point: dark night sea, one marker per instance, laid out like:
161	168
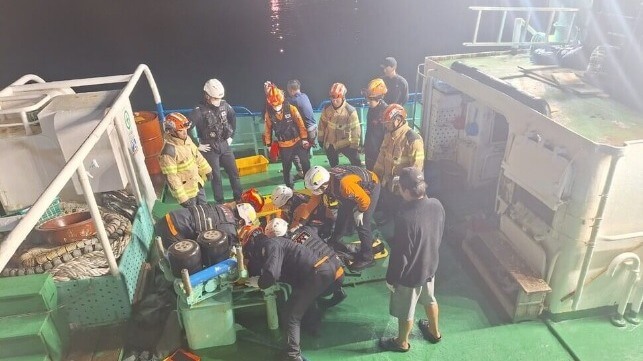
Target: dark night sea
241	42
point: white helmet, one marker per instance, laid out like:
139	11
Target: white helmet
280	195
247	213
315	178
276	227
214	88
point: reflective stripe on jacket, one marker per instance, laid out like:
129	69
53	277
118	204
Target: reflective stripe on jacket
184	167
400	149
339	127
288	127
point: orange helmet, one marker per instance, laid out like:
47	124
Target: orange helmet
247	233
376	88
253	197
393	111
274	96
337	90
177	121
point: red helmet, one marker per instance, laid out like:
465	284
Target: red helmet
177	121
337	90
393	111
274	96
253	197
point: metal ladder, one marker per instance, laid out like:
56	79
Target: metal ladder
523	26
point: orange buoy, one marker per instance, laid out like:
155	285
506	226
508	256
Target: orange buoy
151	135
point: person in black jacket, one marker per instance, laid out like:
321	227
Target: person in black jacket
216	121
308	272
398	87
413	261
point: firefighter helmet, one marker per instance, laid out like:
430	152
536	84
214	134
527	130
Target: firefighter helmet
337	90
177	121
280	195
276	227
376	88
274	96
214	88
254	198
247	234
393	111
247	213
315	178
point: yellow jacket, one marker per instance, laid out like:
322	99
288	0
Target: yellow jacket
339	127
400	149
184	167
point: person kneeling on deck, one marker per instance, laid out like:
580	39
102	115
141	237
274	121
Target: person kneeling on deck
182	164
414	259
357	191
309	272
290	132
293	206
308	236
189	222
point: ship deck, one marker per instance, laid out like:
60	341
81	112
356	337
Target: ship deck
473	326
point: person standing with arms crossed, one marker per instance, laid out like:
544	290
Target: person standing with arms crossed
413	261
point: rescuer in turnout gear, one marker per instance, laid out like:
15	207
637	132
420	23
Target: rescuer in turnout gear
374	128
307	235
357	190
215	122
402	147
188	222
284	121
308	271
293	206
339	128
183	166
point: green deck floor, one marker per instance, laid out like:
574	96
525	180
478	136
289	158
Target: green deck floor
473	327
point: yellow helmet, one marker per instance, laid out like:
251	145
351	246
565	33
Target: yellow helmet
376	88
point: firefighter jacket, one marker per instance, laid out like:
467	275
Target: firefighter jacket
401	148
295	211
339	127
348	183
184	167
287	125
214	124
189	222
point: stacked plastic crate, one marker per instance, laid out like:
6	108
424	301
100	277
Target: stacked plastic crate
31	326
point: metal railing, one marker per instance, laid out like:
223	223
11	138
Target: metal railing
75	164
522	26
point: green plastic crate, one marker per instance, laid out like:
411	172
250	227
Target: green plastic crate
27	294
209	323
25	335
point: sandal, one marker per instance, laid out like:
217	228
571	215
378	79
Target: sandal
424	327
389	344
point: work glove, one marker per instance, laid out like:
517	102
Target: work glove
305	144
390	287
252	282
229	140
395	183
208	176
358	217
189	203
204	148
